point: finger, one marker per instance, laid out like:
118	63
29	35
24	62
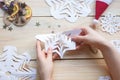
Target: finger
55	56
49	53
38	48
93	26
84	32
79	46
44	53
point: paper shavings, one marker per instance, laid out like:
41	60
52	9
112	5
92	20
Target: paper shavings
110	23
116	43
60	43
70	10
104	78
14	66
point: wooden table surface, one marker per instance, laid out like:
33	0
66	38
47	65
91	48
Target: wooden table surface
78	65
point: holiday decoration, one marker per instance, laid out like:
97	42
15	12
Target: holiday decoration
60	42
71	10
14	66
101	6
110	23
16	12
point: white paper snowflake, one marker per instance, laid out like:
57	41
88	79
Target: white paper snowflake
60	43
17	77
110	23
69	9
14	65
104	78
116	43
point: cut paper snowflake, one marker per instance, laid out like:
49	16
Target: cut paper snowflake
17	77
116	43
104	78
12	64
60	43
69	9
110	23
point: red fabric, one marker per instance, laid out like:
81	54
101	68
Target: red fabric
100	8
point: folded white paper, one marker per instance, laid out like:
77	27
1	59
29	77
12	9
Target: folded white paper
59	43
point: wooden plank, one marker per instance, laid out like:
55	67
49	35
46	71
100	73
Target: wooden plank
78	69
24	37
40	7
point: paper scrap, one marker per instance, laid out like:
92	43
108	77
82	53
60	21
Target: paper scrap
104	78
116	43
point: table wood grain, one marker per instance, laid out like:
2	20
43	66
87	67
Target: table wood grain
76	65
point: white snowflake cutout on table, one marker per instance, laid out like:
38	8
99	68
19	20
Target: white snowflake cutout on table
116	43
104	78
14	64
69	9
110	23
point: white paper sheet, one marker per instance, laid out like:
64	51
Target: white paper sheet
71	10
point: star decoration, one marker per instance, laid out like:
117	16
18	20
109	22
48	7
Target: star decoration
5	26
59	26
37	24
49	26
52	31
10	28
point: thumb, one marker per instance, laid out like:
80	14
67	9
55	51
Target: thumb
49	53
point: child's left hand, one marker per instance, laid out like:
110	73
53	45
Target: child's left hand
45	62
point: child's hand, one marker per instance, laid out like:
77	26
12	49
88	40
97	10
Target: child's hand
45	62
90	37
